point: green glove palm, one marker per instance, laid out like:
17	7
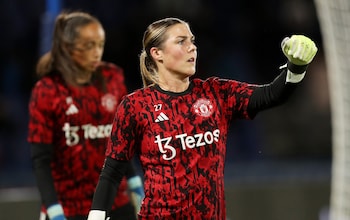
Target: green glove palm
299	50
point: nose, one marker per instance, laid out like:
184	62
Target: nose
192	47
98	51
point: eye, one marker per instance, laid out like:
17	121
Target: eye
89	45
101	45
181	41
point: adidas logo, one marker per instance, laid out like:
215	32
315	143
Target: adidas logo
72	110
162	117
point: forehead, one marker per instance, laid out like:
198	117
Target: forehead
91	31
179	30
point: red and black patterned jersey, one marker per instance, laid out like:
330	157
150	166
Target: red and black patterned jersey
77	122
180	139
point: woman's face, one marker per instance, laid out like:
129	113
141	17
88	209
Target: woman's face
88	47
178	54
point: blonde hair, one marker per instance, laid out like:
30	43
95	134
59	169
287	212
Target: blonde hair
66	31
154	36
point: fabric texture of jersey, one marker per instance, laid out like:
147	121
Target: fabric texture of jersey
77	122
183	138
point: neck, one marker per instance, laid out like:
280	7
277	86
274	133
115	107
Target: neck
84	78
174	86
173	83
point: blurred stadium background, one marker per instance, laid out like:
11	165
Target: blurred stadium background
278	166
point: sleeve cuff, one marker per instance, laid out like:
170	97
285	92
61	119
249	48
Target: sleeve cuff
296	69
294	78
295	73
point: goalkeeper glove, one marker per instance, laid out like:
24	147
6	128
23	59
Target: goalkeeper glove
97	215
55	212
136	190
299	50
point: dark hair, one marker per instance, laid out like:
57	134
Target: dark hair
66	31
154	36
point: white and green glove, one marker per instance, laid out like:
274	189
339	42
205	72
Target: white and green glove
299	50
55	212
97	215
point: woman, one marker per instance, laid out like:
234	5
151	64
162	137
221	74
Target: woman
71	110
178	126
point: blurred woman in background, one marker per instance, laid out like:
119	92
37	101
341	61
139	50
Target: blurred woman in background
71	110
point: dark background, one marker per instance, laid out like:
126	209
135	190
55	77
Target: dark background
278	165
236	39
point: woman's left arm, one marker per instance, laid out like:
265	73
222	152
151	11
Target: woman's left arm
299	51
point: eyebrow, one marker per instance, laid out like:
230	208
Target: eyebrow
185	37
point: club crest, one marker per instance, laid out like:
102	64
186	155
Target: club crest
203	107
109	102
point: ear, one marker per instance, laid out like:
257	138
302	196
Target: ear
156	53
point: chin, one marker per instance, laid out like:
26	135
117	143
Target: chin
191	73
92	69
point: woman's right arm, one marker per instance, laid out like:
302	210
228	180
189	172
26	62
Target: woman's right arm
111	175
41	155
40	134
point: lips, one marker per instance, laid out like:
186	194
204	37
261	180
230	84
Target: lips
95	63
191	60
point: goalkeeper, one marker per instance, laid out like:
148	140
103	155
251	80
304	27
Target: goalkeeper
178	125
71	110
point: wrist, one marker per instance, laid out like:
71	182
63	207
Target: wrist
294	78
296	69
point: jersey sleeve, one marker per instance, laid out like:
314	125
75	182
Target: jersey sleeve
125	132
41	106
235	96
